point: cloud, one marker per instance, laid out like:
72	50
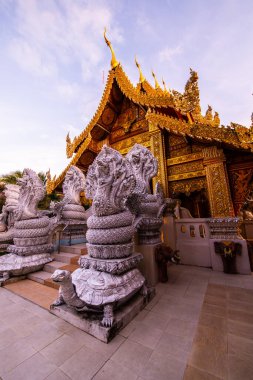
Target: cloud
30	59
168	54
49	35
68	91
145	24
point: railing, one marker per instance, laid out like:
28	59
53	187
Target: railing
192	241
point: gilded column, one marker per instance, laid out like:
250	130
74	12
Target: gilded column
217	182
158	150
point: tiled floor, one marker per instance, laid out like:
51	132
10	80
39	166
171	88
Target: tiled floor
158	344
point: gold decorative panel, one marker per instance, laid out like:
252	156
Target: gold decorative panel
217	183
177	177
187	186
157	148
186	167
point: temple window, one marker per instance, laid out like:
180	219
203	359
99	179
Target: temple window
192	231
183	229
202	231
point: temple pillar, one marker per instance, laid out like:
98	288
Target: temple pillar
157	148
217	182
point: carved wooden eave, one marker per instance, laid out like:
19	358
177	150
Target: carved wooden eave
238	138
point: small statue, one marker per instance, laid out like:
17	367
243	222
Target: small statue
228	251
181	212
163	255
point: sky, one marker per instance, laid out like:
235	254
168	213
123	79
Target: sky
54	63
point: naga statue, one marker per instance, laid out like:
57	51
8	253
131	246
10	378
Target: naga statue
11	193
31	230
107	276
70	207
148	208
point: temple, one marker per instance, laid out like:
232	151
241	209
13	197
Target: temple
206	165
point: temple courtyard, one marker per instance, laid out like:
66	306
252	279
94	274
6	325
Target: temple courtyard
199	326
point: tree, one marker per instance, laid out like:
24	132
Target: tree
12	177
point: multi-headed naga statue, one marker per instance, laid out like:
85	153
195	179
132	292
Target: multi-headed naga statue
109	181
31	230
70	207
11	193
147	207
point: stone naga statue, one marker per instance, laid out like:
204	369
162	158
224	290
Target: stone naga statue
109	181
148	208
11	193
70	208
31	230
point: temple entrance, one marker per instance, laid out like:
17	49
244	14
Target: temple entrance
197	203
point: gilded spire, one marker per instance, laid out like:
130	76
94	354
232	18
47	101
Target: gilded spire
156	81
141	78
165	89
48	175
68	141
114	62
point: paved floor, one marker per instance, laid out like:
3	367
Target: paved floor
158	344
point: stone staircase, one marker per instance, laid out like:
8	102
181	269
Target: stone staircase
66	259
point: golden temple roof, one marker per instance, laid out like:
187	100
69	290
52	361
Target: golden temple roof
235	135
190	122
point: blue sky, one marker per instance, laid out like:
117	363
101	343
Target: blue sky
53	57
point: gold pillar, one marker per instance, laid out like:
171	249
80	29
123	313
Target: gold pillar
217	182
158	150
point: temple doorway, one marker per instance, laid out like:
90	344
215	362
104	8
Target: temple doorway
197	203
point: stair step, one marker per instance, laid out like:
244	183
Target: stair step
35	292
39	276
51	267
70	267
78	249
64	257
49	282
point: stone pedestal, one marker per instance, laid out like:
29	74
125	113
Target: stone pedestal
91	323
148	265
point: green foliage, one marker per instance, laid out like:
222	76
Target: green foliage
12	177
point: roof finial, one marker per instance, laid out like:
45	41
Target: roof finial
114	62
156	81
142	78
165	88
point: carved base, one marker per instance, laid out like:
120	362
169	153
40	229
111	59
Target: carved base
149	230
113	251
30	251
91	323
114	266
13	265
